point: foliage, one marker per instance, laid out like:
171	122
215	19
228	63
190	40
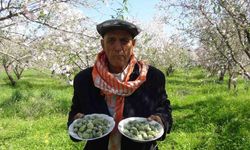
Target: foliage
157	49
121	12
30	35
220	29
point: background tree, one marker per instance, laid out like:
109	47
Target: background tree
220	29
39	21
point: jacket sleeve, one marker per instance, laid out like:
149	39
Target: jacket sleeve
77	102
163	107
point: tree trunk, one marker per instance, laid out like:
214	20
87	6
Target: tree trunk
169	70
87	59
229	81
18	71
246	75
222	74
12	81
230	74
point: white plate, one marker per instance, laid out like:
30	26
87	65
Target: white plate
111	126
125	121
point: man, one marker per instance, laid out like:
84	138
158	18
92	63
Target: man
120	86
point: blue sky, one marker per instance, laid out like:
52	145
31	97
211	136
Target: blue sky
141	9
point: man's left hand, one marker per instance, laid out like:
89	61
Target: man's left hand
156	118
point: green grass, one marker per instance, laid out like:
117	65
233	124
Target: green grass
33	114
206	114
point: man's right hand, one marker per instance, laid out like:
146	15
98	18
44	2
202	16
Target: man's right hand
78	115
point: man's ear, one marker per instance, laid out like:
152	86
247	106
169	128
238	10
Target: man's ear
102	43
134	42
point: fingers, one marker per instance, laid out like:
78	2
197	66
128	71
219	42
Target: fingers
78	115
156	118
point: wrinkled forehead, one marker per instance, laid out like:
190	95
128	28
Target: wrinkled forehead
118	34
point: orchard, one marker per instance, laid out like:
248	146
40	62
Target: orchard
205	58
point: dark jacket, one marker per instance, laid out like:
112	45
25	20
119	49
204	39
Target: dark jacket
150	98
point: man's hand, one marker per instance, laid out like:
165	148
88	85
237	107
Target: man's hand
78	115
156	118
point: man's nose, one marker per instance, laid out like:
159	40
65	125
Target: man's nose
118	46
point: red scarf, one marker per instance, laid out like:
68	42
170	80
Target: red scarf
111	86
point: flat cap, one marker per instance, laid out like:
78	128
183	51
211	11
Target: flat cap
115	24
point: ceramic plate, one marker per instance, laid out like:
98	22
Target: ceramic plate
106	117
123	123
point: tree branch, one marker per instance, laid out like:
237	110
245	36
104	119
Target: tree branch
56	28
1	5
9	4
10	16
224	37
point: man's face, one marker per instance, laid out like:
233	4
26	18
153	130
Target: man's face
118	46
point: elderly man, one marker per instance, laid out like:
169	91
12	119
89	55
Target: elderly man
120	86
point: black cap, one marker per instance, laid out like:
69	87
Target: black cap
112	24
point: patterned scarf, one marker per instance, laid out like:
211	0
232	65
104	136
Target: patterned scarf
111	86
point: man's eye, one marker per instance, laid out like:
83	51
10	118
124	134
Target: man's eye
111	40
124	41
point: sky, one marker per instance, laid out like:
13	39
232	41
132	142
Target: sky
141	9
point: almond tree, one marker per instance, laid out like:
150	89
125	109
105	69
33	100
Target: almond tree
14	57
32	21
222	29
158	49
